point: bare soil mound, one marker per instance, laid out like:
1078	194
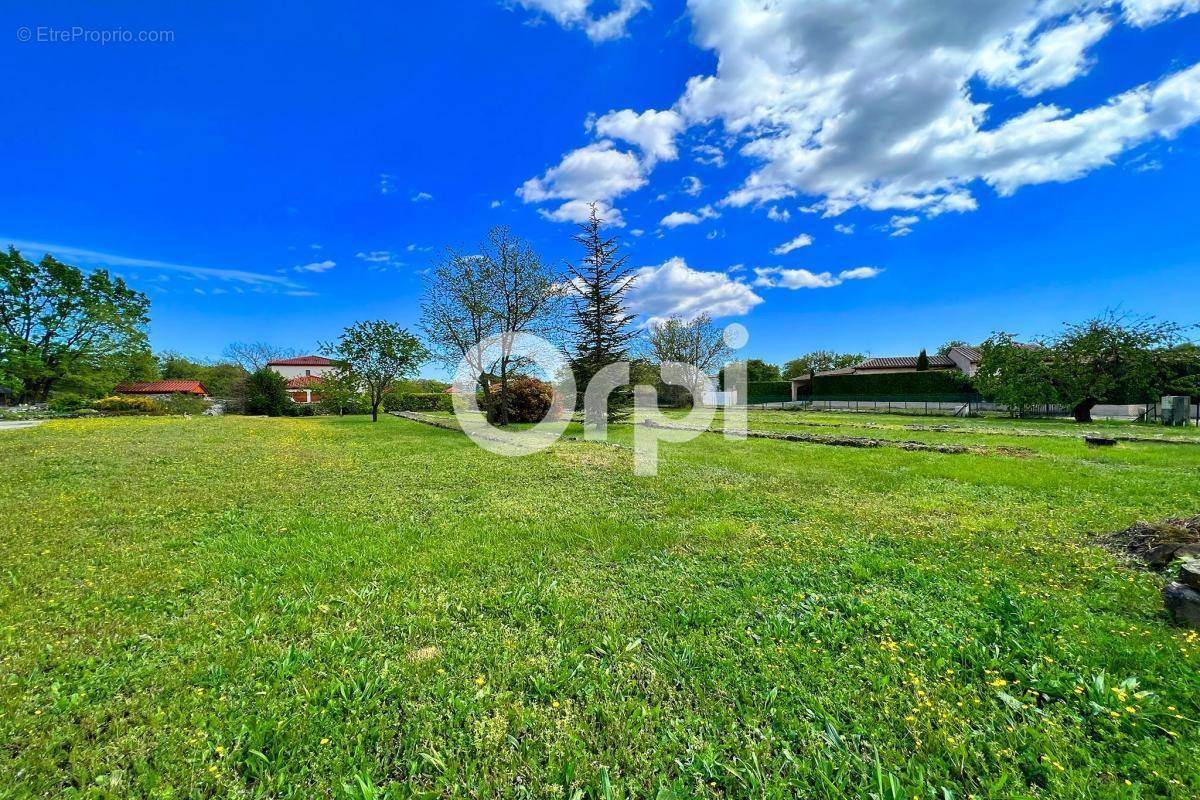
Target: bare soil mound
1156	544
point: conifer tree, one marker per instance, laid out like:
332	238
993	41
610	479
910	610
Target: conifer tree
601	322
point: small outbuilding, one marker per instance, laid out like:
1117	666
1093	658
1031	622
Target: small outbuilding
162	390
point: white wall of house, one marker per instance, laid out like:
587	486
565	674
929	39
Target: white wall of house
965	364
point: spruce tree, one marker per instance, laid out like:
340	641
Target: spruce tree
602	326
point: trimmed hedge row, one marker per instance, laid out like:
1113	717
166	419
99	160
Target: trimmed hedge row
768	391
425	401
950	384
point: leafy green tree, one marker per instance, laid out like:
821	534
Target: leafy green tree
1182	365
922	361
56	321
819	361
602	325
340	389
218	378
97	377
375	354
759	371
1113	356
266	393
1015	374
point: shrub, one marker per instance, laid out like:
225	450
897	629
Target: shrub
266	393
418	401
67	402
185	404
528	400
344	405
124	404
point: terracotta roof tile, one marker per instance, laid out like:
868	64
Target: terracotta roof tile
162	387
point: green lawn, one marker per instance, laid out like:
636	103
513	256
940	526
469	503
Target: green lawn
239	607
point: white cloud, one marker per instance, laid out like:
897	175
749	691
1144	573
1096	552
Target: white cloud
778	215
421	197
375	256
675	289
595	173
803	240
387	183
577	14
804	279
677	218
1033	63
856	104
652	132
1143	13
581	211
871	106
846	229
902	226
692	185
497	203
78	255
317	266
709	155
637	232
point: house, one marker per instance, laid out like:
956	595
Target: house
303	375
962	358
162	390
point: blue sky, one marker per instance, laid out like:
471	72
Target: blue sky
276	172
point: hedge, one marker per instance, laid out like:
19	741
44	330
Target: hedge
930	385
768	391
425	401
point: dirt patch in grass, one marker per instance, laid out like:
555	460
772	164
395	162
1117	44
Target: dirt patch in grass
1156	544
857	441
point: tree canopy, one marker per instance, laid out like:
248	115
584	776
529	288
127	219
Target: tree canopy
57	321
819	361
1114	357
376	353
503	289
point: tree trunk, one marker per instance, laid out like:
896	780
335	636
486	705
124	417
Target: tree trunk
502	418
1083	411
374	411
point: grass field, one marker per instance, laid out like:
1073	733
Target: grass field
239	607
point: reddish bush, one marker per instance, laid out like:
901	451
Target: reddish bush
528	400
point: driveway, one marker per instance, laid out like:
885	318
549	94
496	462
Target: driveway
12	425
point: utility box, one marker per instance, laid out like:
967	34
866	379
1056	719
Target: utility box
1176	410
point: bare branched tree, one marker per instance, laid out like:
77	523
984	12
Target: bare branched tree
253	356
697	342
502	291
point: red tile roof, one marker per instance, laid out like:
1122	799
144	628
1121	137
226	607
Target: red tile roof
162	387
304	382
302	361
905	362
